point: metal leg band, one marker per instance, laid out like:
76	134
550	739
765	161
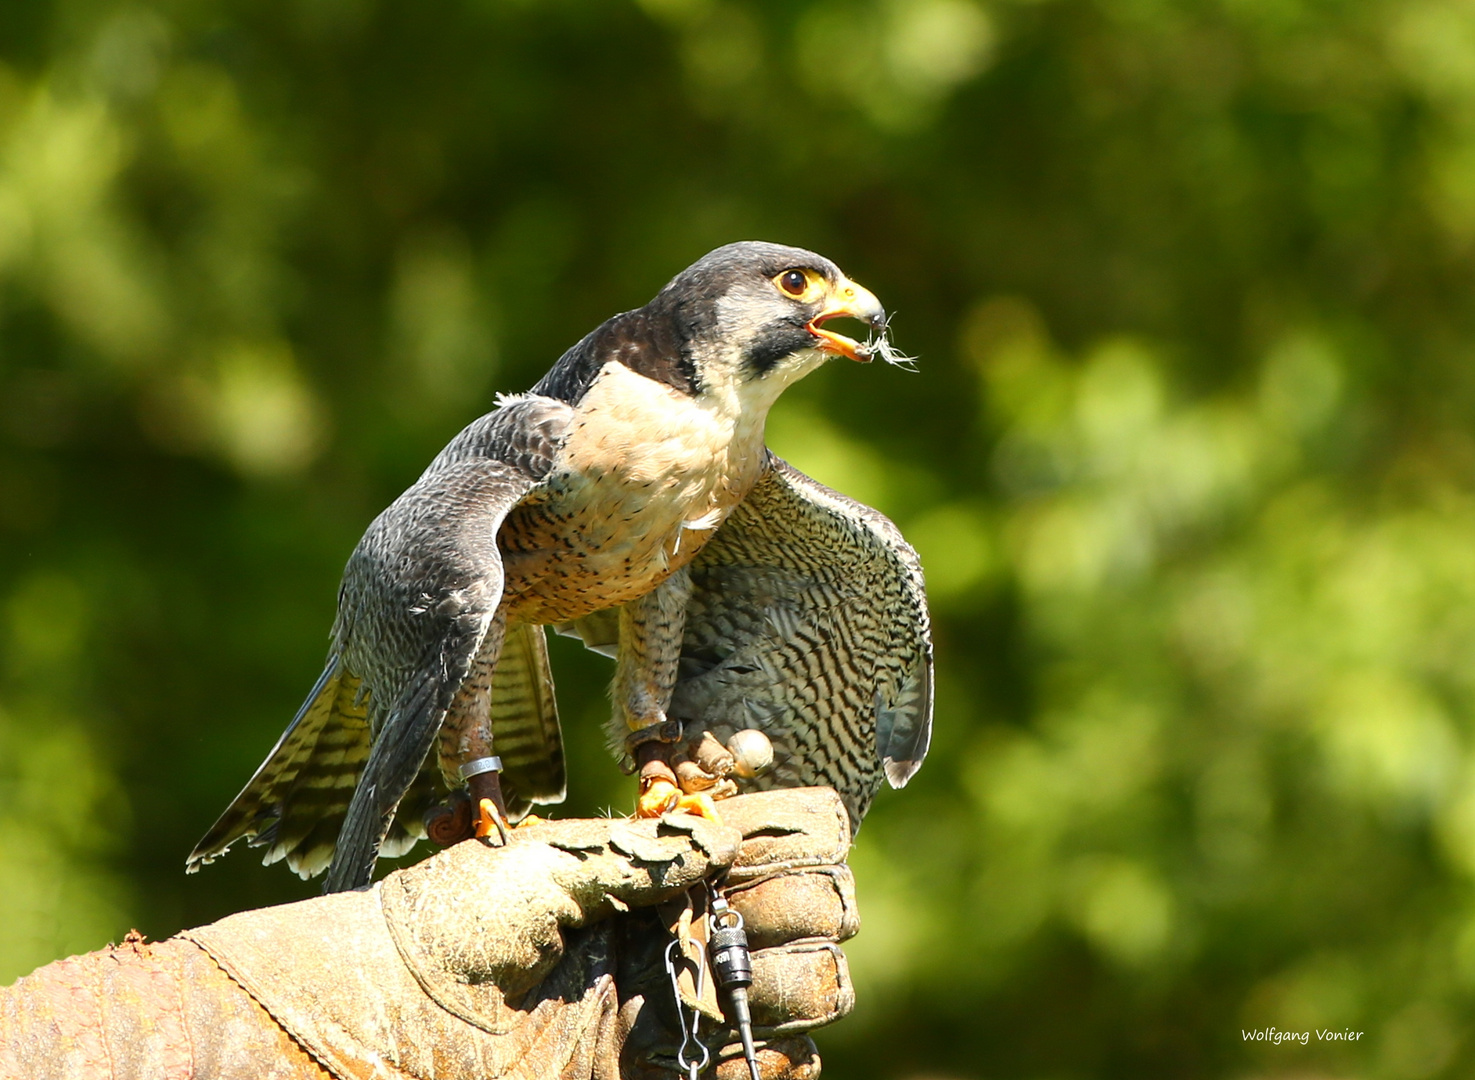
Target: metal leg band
480	765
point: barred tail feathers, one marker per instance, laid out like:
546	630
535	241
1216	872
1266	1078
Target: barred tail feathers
313	810
525	728
313	765
296	804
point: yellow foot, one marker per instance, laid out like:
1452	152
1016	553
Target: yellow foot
663	797
488	821
700	804
531	819
657	797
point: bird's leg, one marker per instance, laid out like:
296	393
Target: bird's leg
645	674
466	751
491	806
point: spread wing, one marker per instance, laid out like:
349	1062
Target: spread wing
418	596
808	621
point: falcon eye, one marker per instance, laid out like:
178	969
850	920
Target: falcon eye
794	282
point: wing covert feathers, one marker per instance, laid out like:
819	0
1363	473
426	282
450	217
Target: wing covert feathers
808	620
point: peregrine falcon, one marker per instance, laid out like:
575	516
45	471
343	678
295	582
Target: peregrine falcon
766	630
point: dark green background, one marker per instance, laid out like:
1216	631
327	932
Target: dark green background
1190	458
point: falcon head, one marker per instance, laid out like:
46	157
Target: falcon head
741	323
756	313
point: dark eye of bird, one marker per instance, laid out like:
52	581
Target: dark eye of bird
793	282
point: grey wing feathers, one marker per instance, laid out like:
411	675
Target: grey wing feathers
524	431
527	735
417	598
808	620
418	595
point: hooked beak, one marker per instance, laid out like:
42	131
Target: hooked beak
848	299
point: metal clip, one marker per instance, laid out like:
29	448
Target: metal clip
689	1064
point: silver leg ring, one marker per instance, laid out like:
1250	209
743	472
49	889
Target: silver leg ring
479	766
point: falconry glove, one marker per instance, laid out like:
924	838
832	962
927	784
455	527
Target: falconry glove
541	958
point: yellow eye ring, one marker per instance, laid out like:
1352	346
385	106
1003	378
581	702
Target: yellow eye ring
796	283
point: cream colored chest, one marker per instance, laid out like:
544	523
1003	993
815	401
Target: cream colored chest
646	475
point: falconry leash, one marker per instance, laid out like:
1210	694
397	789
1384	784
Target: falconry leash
732	967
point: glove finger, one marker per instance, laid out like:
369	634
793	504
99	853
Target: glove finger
624	864
800	986
477	916
787	829
791	1057
817	903
794	1058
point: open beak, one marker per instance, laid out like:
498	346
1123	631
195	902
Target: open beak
848	300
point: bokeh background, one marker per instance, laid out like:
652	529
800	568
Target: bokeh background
1190	458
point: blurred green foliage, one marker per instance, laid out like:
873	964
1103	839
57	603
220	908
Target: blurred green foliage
1190	459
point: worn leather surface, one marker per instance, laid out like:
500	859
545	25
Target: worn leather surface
542	958
161	1010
